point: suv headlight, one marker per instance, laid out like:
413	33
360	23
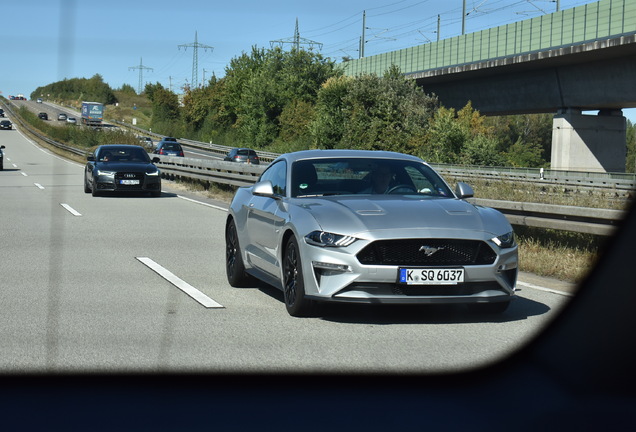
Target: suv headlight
324	238
505	240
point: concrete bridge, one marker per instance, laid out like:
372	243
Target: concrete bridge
565	63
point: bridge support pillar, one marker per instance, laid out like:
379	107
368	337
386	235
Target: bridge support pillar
593	143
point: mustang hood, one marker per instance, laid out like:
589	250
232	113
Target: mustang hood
357	215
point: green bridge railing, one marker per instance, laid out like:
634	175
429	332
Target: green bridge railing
600	20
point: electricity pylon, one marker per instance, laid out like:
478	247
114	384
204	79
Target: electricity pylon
195	58
296	40
141	68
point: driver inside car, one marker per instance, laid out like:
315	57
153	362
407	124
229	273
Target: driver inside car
381	178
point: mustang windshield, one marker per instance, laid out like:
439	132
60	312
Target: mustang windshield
343	176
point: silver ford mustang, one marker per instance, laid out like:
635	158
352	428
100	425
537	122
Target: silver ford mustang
368	227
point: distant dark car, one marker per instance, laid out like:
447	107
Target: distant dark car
242	155
1	112
62	116
6	124
172	139
169	148
43	116
121	168
1	158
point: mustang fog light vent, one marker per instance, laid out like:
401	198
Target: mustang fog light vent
324	238
331	266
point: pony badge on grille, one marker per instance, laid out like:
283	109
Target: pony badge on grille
428	250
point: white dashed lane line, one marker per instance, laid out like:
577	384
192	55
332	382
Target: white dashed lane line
70	209
202	203
540	288
179	283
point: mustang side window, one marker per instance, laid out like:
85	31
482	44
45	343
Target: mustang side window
277	175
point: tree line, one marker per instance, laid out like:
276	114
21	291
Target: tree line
280	101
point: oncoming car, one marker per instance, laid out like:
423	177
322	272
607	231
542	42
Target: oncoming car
6	124
121	168
368	227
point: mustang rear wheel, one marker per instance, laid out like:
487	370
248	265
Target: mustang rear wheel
234	267
293	283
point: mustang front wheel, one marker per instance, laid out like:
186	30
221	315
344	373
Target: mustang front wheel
234	267
293	284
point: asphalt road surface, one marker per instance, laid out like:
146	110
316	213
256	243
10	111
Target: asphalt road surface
134	283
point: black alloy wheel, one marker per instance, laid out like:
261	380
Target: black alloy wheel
294	284
234	267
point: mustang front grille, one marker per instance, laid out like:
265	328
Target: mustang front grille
427	252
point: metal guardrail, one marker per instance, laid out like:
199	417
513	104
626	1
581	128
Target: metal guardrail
565	218
622	183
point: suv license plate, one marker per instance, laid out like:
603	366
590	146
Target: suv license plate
129	182
431	276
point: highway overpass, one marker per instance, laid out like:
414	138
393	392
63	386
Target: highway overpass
565	63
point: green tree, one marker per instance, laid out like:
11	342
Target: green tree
529	128
524	155
77	90
371	112
329	123
295	120
630	162
127	89
165	109
260	86
445	138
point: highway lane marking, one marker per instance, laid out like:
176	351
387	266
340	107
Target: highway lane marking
71	209
202	203
38	185
179	283
540	288
22	172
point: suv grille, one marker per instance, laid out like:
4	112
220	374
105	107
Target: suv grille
412	252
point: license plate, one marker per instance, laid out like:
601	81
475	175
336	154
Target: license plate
431	276
129	182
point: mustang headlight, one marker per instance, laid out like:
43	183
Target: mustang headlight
105	173
505	240
324	238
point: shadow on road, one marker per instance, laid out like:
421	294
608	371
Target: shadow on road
350	313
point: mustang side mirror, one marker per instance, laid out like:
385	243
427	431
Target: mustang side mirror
463	190
263	188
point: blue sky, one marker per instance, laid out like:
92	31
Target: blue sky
47	41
